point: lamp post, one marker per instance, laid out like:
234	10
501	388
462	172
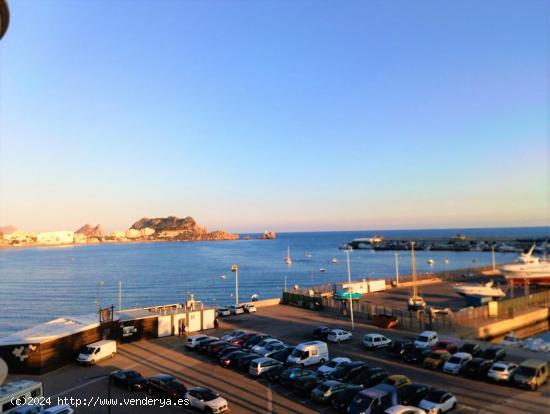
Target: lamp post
397	268
493	257
235	269
350	290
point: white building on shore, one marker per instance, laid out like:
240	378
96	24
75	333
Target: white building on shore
55	237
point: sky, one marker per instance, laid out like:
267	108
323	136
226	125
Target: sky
284	115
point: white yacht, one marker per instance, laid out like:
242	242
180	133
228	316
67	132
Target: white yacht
484	290
527	268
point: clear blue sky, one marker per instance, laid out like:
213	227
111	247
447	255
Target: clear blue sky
284	115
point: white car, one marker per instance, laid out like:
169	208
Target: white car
375	341
271	348
404	409
236	310
263	343
28	409
228	337
206	400
502	371
338	335
438	401
456	363
249	308
193	341
59	409
330	366
223	312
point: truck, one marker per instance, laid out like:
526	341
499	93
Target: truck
93	353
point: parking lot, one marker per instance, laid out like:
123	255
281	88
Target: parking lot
248	395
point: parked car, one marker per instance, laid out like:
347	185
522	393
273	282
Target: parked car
274	374
373	400
477	368
343	399
494	353
254	340
347	370
261	345
240	340
193	341
206	400
271	348
166	386
306	383
375	341
243	362
369	377
283	354
531	374
249	308
226	350
470	348
426	339
502	371
223	311
456	363
236	309
202	346
398	381
412	394
325	370
325	391
416	355
339	335
259	366
404	409
436	359
229	360
438	401
215	347
309	353
129	379
446	345
59	409
27	409
290	375
398	348
321	332
229	336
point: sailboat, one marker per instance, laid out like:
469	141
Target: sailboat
288	260
416	302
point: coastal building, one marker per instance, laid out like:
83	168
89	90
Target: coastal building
133	234
20	237
55	237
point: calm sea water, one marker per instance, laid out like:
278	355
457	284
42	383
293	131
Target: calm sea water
38	284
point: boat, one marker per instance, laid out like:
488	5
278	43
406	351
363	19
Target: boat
505	248
527	269
334	260
255	297
431	262
512	340
322	270
223	277
484	290
288	259
415	302
446	261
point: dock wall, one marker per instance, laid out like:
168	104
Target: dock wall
504	326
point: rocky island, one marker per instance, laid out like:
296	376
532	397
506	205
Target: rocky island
147	229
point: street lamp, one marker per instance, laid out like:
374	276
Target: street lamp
350	290
397	268
493	257
235	269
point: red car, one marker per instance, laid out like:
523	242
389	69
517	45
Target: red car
241	339
443	345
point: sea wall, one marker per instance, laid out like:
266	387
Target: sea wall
502	327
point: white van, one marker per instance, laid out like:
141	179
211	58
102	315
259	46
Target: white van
426	339
24	389
309	353
97	351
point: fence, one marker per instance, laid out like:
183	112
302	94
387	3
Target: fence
510	307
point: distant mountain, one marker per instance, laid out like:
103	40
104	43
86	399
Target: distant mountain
7	229
174	228
89	231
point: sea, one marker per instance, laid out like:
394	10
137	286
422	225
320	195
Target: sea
42	283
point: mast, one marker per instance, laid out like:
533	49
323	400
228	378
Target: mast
415	289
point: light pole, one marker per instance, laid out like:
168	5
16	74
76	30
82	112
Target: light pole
493	257
235	269
397	268
350	290
285	283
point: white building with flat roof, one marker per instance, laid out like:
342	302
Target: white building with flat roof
55	237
